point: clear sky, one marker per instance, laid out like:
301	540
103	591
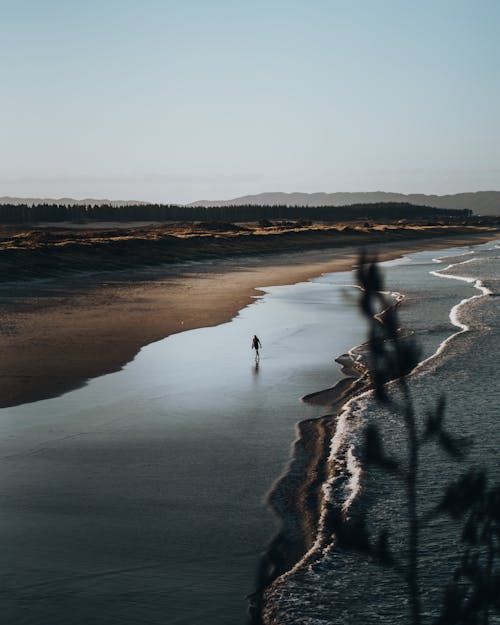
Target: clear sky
179	100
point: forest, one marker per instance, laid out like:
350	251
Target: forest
24	213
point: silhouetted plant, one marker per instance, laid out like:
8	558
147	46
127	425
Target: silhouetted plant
474	589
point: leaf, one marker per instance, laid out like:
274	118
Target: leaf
462	495
382	550
470	531
374	450
435	419
452	445
350	533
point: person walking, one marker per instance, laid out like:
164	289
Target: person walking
256	345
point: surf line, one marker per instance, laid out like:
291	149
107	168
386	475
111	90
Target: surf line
341	471
323	473
354	483
453	316
343	443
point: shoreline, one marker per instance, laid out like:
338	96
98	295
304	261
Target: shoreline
296	497
295	480
59	333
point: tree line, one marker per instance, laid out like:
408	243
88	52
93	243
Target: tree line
23	213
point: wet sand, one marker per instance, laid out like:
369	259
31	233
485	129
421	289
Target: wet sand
139	498
58	333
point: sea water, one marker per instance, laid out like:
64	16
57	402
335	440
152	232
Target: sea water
333	585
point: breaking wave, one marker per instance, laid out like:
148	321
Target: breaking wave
342	471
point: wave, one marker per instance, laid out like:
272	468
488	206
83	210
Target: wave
454	312
343	469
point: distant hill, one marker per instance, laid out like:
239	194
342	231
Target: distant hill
66	201
481	202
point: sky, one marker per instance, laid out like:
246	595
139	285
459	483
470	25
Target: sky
183	100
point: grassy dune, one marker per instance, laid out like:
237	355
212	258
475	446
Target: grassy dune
51	252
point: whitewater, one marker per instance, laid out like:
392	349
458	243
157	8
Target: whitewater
453	313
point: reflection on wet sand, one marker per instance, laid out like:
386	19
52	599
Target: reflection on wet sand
158	473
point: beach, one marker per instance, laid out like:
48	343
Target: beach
144	495
140	497
59	332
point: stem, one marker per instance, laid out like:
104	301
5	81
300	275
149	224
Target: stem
411	490
488	576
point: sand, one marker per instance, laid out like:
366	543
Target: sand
58	333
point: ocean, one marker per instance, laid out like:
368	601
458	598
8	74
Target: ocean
451	303
143	497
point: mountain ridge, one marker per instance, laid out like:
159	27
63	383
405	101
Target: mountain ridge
482	202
